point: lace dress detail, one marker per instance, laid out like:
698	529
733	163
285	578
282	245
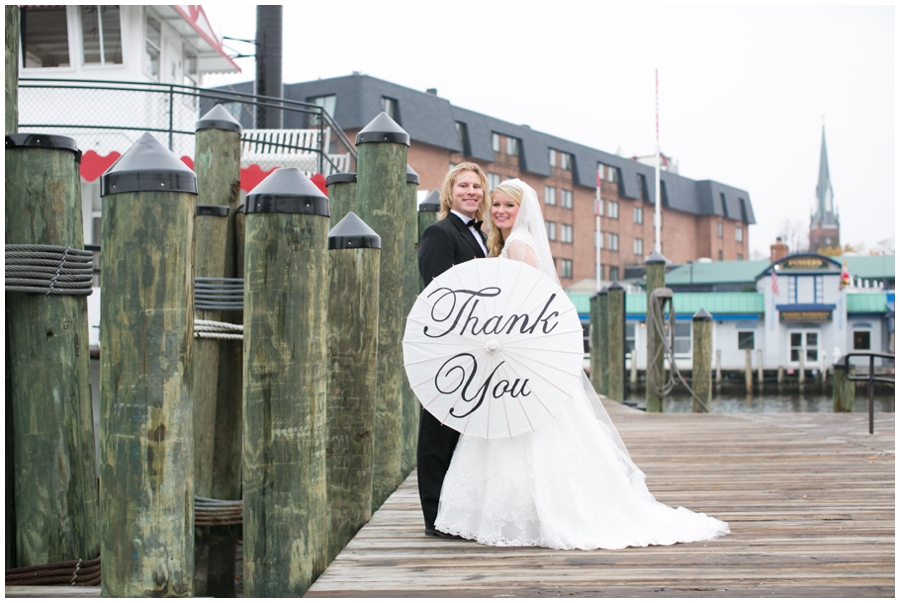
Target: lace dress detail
565	486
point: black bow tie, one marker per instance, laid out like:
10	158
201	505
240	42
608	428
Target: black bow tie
476	224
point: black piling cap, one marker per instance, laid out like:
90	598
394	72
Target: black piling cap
286	191
218	118
148	166
219	211
615	286
603	291
411	176
340	178
655	258
43	141
432	202
382	129
352	233
703	315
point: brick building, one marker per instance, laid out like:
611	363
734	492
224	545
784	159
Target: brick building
700	219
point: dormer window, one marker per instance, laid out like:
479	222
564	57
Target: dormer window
45	37
101	35
389	106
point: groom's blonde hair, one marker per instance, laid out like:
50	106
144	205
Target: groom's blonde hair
495	237
450	180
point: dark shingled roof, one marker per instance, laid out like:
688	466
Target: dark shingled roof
430	119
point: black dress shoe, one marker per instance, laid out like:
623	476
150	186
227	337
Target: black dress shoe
439	534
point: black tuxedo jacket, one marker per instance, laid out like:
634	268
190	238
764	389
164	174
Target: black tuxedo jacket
444	244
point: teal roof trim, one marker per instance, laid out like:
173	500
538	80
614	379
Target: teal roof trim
714	303
716	273
867	303
877	267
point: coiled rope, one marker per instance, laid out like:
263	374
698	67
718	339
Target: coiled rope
49	269
663	384
63	573
213	512
218	293
210	329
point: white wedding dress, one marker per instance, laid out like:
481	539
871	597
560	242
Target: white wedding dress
568	485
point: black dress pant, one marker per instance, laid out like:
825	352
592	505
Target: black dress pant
435	449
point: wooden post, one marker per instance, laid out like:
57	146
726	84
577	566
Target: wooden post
780	377
352	353
54	470
411	281
595	342
217	161
146	337
603	335
381	181
718	368
285	383
616	330
748	371
844	390
427	215
823	374
13	24
802	371
656	279
701	373
342	193
759	369
632	376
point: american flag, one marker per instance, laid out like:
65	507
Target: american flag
774	283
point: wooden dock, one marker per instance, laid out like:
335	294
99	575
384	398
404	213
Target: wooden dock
809	498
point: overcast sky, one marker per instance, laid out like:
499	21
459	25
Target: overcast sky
742	90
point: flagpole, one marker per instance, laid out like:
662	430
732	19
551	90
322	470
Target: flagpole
657	218
598	271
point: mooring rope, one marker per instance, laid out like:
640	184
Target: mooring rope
49	270
211	329
218	293
78	572
663	384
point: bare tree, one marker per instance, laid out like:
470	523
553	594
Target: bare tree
794	235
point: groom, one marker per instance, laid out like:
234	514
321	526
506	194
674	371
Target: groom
456	237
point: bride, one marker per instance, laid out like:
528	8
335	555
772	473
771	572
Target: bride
571	483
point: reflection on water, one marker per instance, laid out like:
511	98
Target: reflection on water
730	402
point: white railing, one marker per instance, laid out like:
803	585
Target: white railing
292	148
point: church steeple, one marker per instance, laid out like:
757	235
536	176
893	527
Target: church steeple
825	214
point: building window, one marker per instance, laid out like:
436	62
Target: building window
565	198
495	142
720	255
493	180
638	214
512	146
683	338
862	340
462	135
389	106
565	233
639	247
612	210
565	161
745	340
613	241
152	47
740	256
642	186
549	195
613	273
191	68
551	231
598	239
552	157
612	174
724	205
720	230
566	268
101	35
739	234
45	36
327	104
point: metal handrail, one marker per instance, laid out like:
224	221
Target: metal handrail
870	378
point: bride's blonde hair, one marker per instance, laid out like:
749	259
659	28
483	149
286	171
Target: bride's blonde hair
495	237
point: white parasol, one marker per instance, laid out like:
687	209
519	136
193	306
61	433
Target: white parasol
493	347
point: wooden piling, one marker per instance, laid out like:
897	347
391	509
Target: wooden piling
801	376
285	383
718	368
701	373
759	369
54	471
146	334
218	164
843	390
748	371
342	196
382	197
427	213
217	161
595	342
823	374
13	26
780	377
352	352
411	280
616	346
656	279
632	375
603	341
